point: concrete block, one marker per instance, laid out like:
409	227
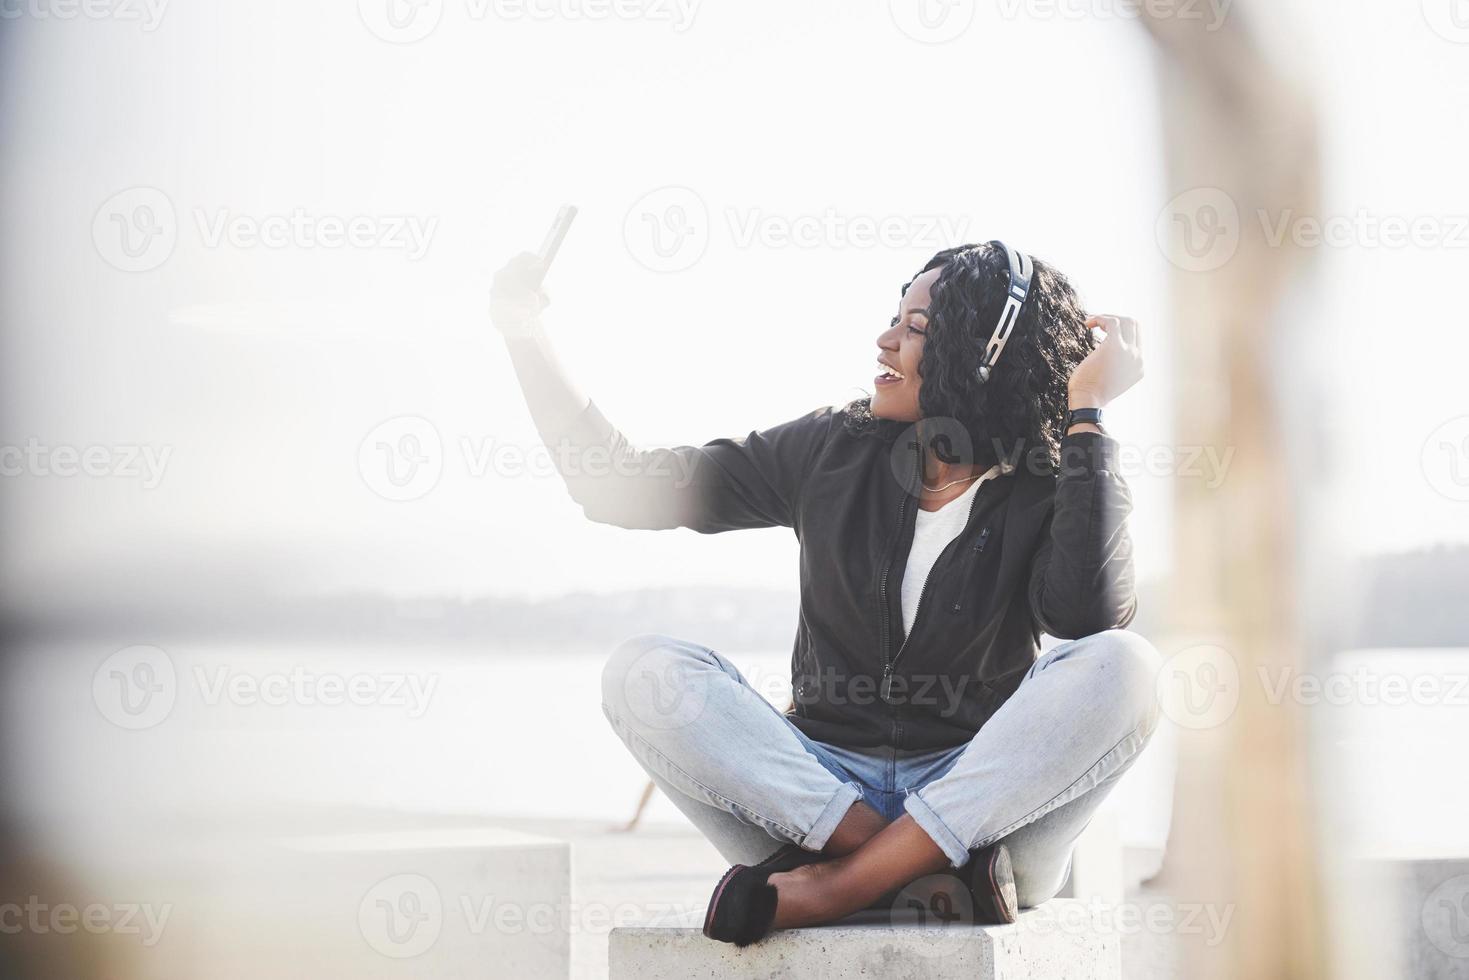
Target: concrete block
1429	916
446	902
1054	940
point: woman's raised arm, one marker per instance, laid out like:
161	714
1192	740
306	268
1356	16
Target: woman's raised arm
725	484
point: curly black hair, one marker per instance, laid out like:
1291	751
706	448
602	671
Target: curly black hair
1021	410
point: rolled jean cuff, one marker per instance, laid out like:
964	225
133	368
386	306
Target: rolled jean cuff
955	849
821	831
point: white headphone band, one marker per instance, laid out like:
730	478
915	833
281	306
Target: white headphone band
1021	271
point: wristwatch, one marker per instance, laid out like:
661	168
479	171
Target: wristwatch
1092	415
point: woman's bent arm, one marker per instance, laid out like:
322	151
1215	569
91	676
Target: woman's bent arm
1082	577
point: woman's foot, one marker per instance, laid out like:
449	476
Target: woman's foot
899	854
742	908
750	902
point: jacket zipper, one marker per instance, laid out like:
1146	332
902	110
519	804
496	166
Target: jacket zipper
885	689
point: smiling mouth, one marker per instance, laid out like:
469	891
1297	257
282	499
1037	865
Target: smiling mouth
889	376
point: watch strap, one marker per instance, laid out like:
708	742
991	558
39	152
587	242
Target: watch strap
1084	415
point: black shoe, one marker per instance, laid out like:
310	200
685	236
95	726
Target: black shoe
742	906
991	882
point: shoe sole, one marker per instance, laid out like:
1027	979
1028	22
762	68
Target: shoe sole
994	889
718	894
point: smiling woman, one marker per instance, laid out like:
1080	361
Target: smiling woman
872	780
949	311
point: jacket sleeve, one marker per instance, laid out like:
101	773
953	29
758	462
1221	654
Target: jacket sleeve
1081	580
726	484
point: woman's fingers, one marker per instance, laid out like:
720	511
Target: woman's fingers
1122	328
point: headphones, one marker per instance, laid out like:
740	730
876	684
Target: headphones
1021	269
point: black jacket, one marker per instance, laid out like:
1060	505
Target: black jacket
1042	552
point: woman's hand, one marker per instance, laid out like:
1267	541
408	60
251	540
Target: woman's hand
1113	367
516	297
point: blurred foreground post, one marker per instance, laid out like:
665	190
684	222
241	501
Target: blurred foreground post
1241	152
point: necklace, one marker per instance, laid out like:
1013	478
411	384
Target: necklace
952	483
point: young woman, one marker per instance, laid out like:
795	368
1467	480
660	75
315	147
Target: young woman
969	505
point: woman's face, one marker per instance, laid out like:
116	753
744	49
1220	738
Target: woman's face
900	349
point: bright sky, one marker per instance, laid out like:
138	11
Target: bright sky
261	370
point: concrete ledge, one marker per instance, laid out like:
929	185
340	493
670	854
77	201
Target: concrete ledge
460	902
1051	941
1427	919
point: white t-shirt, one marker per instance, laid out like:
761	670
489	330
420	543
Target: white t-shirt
931	535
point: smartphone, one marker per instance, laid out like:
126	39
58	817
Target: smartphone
552	242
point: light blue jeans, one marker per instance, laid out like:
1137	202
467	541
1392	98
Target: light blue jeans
749	780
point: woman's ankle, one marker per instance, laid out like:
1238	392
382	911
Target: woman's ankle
859	825
809	896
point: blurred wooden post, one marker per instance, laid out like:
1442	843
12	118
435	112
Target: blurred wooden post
1238	133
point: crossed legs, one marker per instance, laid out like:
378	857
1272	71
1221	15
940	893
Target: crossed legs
749	780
